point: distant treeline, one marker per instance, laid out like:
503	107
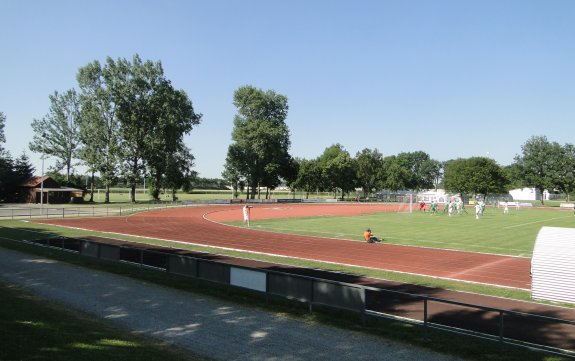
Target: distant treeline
209	183
82	182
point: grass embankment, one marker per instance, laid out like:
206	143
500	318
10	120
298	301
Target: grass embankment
34	329
66	335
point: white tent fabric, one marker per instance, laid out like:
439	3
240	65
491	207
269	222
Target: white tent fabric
553	265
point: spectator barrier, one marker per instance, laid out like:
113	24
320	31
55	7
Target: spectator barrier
503	326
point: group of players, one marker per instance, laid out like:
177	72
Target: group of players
454	206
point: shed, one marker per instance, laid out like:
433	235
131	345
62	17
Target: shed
553	265
53	193
528	194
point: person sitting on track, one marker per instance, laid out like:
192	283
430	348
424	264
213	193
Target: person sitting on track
369	237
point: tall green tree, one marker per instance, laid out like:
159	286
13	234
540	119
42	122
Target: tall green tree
179	172
13	172
422	170
233	177
260	139
566	170
5	162
150	109
514	175
476	175
540	163
309	177
134	120
57	133
2	125
339	169
369	163
22	170
393	175
99	122
6	173
173	117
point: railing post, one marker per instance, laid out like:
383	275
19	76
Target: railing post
501	340
311	297
425	317
267	288
363	316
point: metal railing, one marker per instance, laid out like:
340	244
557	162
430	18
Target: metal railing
557	335
35	212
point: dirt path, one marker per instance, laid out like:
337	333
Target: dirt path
207	326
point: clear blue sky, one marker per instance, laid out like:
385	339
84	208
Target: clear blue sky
451	78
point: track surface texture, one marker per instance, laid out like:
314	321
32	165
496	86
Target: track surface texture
200	225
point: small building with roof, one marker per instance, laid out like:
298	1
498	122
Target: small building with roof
47	190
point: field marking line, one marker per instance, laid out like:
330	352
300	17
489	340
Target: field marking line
304	258
337	237
534	222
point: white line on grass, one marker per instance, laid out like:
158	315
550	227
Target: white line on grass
448	245
534	222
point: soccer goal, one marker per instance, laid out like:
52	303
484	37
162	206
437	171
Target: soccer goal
405	203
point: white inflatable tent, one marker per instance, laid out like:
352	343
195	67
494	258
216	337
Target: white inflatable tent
553	265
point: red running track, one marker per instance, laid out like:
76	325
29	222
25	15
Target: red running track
199	225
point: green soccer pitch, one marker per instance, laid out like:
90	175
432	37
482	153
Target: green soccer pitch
513	234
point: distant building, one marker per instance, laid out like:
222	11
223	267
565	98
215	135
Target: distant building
31	192
439	195
528	194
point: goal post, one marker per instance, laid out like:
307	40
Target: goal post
405	203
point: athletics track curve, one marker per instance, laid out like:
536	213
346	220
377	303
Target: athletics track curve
199	225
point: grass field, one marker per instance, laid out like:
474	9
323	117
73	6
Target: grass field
513	234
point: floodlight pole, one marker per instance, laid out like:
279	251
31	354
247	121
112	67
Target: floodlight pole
42	184
42	188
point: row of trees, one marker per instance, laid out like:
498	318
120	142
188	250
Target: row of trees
13	171
336	170
542	164
259	157
126	120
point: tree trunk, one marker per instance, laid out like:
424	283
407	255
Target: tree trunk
133	193
107	198
92	189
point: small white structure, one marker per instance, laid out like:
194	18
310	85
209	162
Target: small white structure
528	194
553	265
440	196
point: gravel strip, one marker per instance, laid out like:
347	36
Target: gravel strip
205	325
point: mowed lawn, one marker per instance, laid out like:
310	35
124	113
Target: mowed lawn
512	234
